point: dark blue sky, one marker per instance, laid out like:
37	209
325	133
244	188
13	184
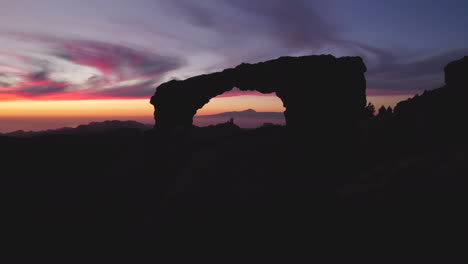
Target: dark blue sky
414	25
66	49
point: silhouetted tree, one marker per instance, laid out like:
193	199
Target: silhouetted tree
382	112
389	111
369	110
385	113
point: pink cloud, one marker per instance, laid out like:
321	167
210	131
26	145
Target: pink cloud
123	72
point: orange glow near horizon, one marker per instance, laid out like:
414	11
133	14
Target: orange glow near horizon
129	107
32	108
15	107
17	113
243	102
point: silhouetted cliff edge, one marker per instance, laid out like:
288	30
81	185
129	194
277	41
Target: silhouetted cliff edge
440	113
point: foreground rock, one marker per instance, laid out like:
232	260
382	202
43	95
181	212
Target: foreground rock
440	113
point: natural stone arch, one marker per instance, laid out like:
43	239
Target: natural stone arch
320	90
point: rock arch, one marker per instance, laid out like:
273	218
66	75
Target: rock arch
320	90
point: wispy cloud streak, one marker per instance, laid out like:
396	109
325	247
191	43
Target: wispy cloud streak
77	69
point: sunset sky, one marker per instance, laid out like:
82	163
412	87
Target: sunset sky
73	61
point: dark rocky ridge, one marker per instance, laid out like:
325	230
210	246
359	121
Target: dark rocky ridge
438	113
306	85
456	74
91	128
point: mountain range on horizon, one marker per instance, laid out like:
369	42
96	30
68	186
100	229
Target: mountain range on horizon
248	113
247	119
112	125
90	128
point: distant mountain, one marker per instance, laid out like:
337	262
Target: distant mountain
91	128
248	119
245	119
249	113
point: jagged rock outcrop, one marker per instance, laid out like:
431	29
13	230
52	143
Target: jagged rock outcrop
91	128
321	92
456	75
440	112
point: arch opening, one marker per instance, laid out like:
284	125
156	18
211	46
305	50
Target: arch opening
248	109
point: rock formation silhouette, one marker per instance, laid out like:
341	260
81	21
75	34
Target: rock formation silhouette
438	113
325	91
456	76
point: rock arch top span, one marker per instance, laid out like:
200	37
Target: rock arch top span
321	91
